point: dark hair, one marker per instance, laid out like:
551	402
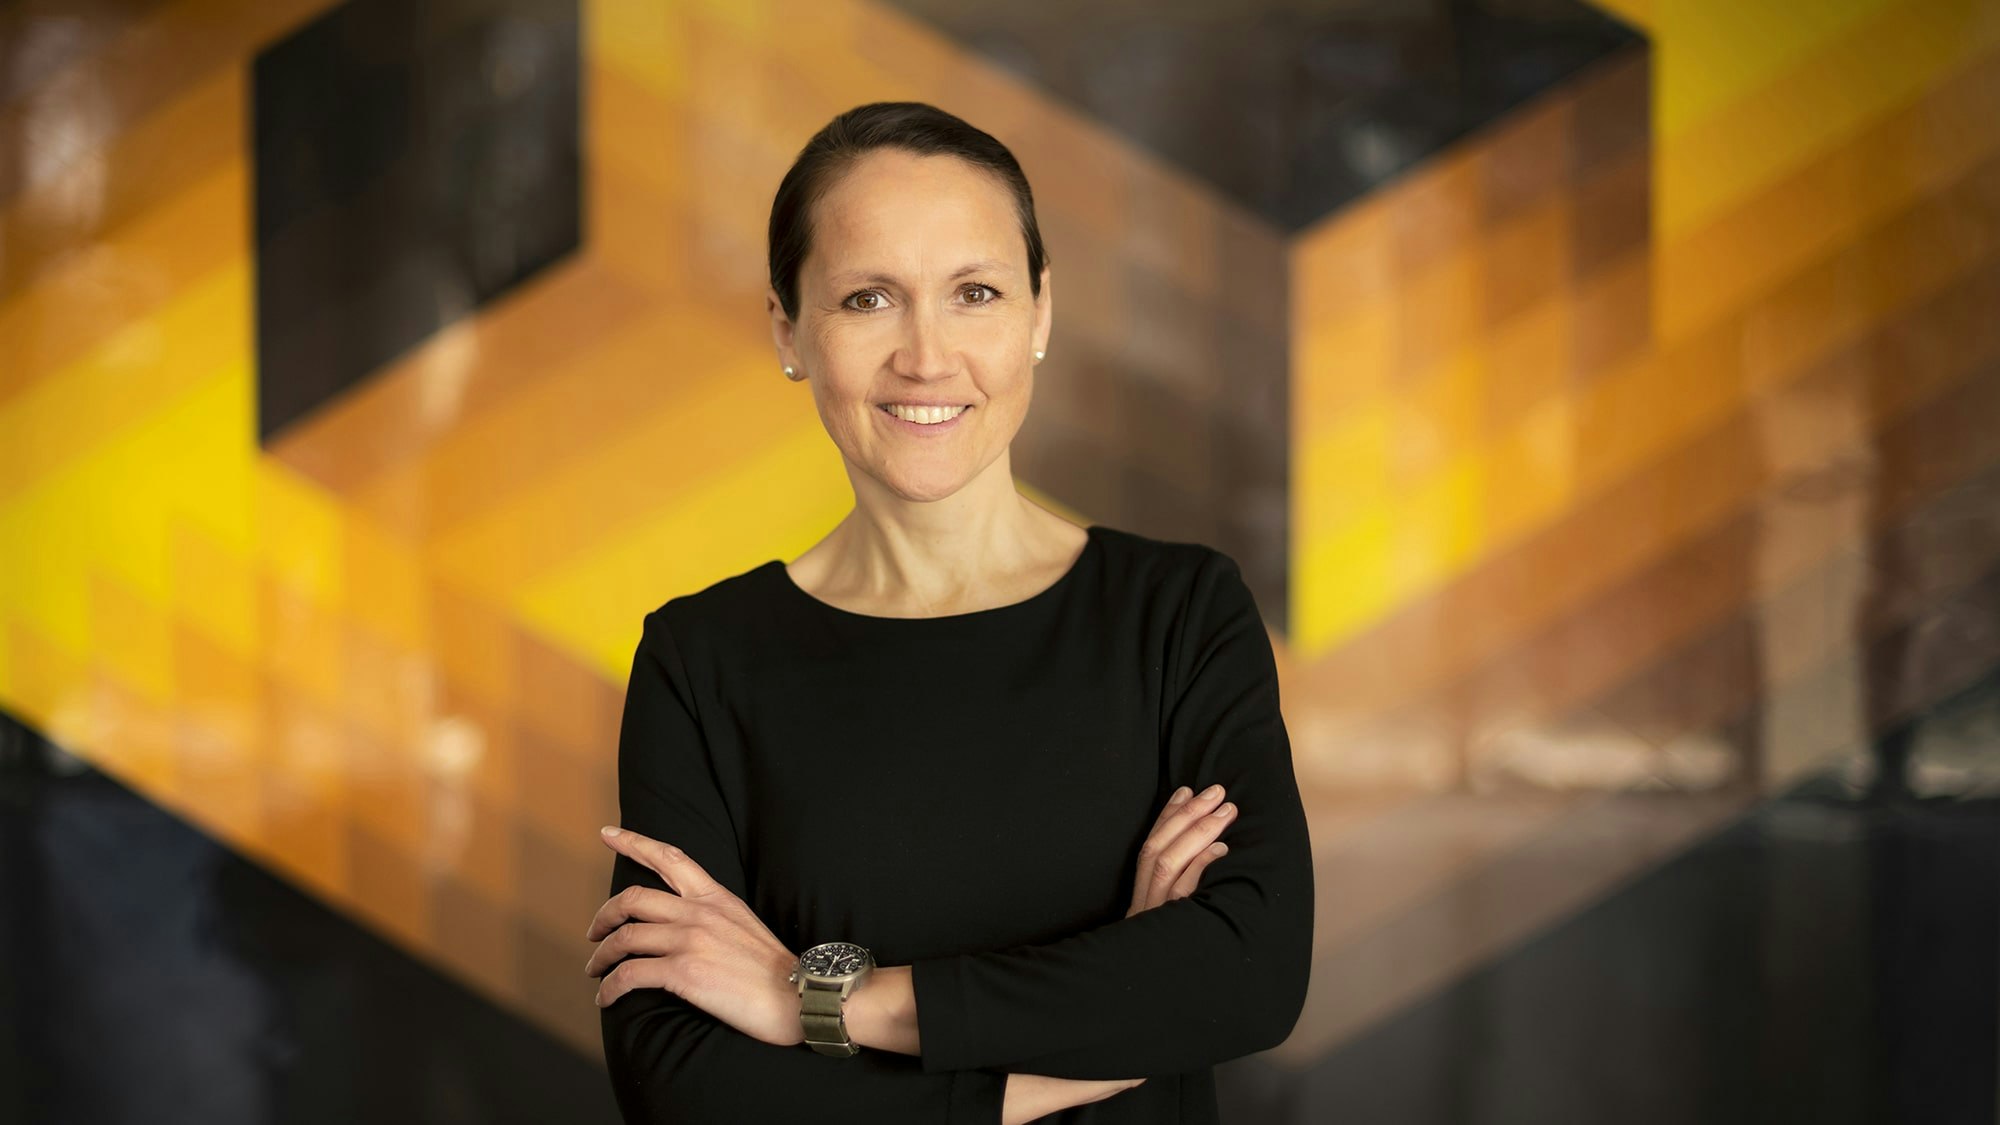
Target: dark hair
915	127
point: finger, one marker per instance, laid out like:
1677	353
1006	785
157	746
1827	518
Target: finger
650	939
637	972
635	904
1174	819
1188	807
1175	801
1199	834
671	864
1191	877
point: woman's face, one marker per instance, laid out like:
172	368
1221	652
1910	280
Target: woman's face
915	291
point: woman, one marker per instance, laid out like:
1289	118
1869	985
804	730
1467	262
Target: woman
898	842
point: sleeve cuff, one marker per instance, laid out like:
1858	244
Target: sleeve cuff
977	1097
942	1033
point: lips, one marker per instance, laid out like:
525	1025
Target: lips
921	429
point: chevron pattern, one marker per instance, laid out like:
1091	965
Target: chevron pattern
1634	442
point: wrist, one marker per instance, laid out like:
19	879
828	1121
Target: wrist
828	978
882	1012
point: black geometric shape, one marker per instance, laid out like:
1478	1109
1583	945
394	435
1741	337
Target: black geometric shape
1292	108
413	161
151	975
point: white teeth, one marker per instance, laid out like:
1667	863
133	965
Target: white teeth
926	415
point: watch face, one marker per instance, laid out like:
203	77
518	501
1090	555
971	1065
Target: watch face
834	959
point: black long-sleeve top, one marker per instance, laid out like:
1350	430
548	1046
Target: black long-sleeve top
967	795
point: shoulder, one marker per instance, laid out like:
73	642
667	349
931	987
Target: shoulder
1174	567
721	609
1172	589
1194	603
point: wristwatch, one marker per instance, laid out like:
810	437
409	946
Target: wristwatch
826	975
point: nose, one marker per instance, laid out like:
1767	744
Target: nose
926	348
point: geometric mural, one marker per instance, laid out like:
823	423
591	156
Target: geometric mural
1608	448
412	164
1290	110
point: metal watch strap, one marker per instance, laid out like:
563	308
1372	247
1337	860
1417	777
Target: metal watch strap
825	1028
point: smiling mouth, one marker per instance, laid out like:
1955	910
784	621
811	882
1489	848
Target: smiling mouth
925	415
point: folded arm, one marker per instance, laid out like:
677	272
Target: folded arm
670	1061
1192	982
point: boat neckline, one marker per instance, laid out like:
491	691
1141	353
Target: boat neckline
1045	594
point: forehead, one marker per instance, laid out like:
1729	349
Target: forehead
895	210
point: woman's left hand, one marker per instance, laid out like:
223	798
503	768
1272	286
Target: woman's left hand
701	943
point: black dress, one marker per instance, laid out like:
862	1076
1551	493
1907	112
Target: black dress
967	795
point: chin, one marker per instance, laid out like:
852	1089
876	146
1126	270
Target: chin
924	488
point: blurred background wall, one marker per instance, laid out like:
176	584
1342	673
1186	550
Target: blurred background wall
1603	401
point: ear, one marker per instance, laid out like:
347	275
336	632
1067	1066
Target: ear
1045	311
782	330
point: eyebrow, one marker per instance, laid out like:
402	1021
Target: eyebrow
984	265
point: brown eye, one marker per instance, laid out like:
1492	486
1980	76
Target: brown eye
988	289
872	296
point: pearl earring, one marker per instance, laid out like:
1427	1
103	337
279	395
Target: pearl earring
1038	355
789	374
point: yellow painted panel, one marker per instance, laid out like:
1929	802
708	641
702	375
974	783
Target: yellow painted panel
299	532
1712	55
1341	362
727	418
1441	416
1533	471
1875	65
113	509
46	675
135	371
1444	525
385	583
1347	260
1341	470
723	524
1715	269
1391	554
750	18
136	738
109	291
645	40
1342	581
215	581
132	640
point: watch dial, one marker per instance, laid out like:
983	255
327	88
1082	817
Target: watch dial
834	959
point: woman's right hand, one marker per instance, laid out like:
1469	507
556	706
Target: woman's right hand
1031	1097
1180	847
1182	844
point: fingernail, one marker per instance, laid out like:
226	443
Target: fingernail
1224	809
1212	791
1179	797
1219	849
608	830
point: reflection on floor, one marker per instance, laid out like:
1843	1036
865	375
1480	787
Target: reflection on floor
1830	956
1824	958
1821	961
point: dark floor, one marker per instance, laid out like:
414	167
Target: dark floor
1825	959
1821	961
